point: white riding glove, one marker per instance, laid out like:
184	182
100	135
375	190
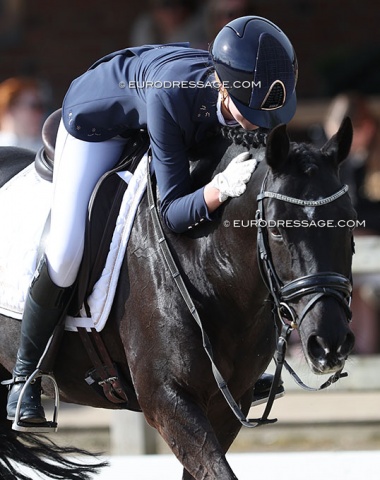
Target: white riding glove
232	181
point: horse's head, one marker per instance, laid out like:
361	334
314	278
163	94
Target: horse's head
306	243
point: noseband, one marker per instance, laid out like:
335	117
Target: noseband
320	284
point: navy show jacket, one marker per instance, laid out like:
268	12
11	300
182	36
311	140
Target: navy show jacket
168	89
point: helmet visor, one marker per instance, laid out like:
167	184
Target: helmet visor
268	118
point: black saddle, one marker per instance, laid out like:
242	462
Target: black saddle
45	156
104	204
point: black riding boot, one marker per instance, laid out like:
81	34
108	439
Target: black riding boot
45	304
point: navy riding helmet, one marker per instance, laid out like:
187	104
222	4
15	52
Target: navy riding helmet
256	63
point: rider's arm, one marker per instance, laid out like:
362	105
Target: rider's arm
180	206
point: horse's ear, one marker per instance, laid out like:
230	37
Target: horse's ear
340	143
277	147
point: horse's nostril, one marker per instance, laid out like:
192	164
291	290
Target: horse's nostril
345	349
323	344
317	347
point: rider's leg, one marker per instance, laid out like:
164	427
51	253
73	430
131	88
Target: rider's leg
44	306
78	166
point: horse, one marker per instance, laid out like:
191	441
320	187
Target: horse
299	277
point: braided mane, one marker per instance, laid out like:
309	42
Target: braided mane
239	136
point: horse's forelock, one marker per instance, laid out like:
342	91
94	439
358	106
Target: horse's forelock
305	157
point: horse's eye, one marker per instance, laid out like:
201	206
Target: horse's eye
275	232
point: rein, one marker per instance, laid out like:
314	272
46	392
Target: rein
165	250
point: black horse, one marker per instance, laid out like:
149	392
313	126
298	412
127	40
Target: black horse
152	334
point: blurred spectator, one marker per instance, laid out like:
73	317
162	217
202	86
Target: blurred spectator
361	171
181	21
22	112
163	23
223	11
201	30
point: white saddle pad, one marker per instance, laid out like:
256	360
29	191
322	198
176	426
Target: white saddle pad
101	299
24	206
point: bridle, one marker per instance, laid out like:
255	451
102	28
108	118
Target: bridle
322	284
319	285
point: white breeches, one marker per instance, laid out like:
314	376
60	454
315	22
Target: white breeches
78	165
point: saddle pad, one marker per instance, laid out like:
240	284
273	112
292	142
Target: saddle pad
24	206
101	299
25	203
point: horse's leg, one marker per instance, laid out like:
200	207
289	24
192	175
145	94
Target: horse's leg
224	423
184	426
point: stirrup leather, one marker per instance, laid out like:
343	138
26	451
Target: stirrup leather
45	427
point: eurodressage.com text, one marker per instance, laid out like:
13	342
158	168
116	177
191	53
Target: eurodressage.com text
351	224
134	84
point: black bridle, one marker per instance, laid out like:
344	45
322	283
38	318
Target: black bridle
320	285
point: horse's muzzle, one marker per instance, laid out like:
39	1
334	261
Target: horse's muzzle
324	358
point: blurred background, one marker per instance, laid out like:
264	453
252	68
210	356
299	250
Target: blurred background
337	42
338	47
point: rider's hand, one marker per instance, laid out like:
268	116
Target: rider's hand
232	181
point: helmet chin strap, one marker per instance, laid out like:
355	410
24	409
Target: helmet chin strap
223	95
224	103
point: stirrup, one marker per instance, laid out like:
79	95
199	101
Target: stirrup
264	399
45	427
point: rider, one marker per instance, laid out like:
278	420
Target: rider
177	93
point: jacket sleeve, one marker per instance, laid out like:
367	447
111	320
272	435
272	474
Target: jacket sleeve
180	207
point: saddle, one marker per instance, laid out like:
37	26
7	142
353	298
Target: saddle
103	211
103	208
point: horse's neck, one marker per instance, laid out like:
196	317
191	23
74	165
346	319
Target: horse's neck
228	250
245	206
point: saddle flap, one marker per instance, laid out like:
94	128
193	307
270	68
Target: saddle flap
103	212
